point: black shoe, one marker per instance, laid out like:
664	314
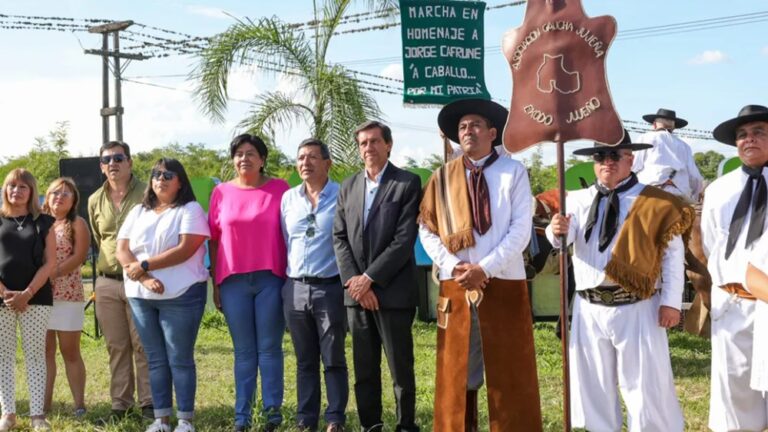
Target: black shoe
148	412
301	427
269	427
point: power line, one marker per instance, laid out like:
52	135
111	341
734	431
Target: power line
637	33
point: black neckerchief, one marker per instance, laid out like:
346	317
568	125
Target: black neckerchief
611	219
742	206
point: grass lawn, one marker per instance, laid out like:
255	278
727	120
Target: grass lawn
215	391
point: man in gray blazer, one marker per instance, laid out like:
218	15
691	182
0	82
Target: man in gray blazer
374	233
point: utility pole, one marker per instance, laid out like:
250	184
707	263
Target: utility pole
108	111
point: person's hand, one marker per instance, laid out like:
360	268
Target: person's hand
369	301
668	316
472	276
216	296
153	285
134	271
358	286
459	269
560	224
17	301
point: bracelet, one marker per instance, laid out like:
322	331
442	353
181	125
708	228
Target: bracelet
29	292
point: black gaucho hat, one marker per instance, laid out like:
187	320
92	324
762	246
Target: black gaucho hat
666	114
449	116
725	132
626	143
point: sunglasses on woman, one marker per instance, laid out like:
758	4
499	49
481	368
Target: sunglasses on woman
118	158
601	156
164	175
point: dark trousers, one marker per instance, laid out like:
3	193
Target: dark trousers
315	317
390	329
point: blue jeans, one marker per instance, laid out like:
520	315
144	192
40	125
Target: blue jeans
168	330
253	308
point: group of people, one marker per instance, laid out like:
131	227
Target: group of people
322	259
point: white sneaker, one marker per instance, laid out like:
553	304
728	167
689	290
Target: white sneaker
158	426
184	426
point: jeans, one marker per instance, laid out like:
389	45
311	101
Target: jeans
168	330
253	308
316	319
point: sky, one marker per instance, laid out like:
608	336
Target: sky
45	78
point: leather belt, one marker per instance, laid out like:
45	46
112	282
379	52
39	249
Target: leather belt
311	280
613	295
117	277
738	290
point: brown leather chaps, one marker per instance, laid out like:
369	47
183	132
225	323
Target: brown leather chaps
508	353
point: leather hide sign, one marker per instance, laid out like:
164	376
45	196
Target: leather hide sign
559	85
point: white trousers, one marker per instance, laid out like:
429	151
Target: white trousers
759	373
733	404
621	348
34	324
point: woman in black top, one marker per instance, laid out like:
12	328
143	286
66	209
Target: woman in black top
27	258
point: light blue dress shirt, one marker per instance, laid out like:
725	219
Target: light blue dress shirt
308	232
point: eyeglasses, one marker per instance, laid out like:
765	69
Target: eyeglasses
601	156
164	175
118	158
311	227
61	194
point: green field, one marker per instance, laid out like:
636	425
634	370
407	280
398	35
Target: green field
215	397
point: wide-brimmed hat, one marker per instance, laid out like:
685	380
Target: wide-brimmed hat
449	116
666	114
725	132
626	143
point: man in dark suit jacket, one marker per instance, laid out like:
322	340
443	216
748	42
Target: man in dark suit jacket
373	236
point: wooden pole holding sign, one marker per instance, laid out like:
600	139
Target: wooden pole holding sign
564	291
560	93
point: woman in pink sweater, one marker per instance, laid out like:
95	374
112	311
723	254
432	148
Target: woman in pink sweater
248	262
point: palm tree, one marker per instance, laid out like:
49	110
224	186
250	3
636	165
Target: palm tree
330	100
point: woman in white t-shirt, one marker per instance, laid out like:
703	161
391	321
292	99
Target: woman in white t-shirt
160	246
757	283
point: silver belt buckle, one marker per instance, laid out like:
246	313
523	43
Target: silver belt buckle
606	297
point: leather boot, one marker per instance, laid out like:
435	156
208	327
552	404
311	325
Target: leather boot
470	414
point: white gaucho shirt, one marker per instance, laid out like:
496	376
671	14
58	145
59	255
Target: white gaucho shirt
500	251
670	158
589	263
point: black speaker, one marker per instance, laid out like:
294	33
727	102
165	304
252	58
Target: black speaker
86	173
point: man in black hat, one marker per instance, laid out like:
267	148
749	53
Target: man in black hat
475	224
628	264
733	218
669	163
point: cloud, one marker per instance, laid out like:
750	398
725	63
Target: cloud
765	50
207	11
709	57
394	71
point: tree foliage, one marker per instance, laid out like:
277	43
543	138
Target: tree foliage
329	98
198	160
43	159
708	163
542	177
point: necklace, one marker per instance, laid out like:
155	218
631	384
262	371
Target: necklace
20	225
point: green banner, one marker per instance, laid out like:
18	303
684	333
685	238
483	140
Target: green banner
442	51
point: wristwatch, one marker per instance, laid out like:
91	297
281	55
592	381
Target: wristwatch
145	265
